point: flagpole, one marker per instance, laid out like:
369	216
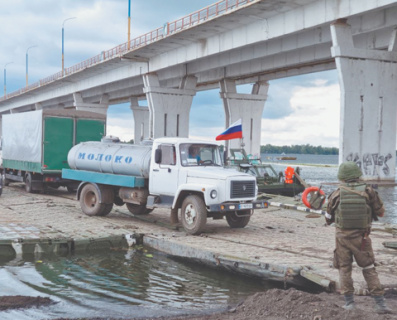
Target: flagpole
234	131
225	153
227	148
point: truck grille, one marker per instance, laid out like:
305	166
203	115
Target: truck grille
242	189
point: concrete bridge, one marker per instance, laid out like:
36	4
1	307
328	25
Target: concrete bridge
235	42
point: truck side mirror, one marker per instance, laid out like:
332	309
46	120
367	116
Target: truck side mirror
157	156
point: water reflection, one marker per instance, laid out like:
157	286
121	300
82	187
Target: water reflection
117	284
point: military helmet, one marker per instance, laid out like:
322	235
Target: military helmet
348	171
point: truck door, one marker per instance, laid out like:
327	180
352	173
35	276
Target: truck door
163	178
58	140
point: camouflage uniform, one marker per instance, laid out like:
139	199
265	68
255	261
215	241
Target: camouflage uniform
356	243
353	207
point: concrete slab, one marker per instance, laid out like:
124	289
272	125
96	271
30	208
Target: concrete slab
278	244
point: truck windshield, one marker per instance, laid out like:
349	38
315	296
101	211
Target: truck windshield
200	155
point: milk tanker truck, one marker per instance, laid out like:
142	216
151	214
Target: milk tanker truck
174	173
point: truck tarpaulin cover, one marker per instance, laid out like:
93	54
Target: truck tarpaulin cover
24	134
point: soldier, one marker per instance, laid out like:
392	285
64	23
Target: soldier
352	207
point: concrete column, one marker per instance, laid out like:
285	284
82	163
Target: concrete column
101	107
248	108
38	106
169	109
368	83
141	120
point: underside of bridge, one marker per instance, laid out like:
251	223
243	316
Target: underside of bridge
258	41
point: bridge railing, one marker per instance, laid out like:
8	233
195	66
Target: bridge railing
193	19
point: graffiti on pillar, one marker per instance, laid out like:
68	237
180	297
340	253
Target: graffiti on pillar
371	163
355	158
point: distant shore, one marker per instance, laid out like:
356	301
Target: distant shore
299	149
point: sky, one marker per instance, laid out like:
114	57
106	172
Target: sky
299	110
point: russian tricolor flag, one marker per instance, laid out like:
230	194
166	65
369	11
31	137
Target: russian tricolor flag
235	131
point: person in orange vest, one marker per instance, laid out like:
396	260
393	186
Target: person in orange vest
289	175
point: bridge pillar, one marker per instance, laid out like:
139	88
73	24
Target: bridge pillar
141	120
368	82
169	108
101	107
248	108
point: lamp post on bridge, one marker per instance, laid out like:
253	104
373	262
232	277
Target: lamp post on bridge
5	78
129	23
63	35
27	63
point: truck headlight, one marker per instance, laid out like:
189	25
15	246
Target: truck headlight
213	194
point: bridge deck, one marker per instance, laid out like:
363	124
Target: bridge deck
278	244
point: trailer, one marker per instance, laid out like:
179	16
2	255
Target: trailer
35	145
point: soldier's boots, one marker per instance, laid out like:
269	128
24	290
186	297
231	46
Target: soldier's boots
349	302
380	307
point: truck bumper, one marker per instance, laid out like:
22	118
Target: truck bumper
233	206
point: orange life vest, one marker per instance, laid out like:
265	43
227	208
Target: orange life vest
289	175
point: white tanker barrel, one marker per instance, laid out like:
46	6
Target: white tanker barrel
116	158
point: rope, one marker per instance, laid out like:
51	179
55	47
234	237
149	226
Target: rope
295	207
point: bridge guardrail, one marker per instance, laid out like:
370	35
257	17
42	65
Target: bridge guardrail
193	19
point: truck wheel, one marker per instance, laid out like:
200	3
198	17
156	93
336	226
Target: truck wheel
137	209
238	222
118	201
107	194
193	214
6	182
107	209
89	202
71	189
28	183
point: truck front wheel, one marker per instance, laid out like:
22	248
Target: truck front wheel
89	202
236	221
193	214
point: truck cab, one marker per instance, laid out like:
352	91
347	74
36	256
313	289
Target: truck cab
174	159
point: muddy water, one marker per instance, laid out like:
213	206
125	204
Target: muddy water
138	282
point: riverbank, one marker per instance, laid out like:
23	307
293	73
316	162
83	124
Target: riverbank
288	246
277	304
274	304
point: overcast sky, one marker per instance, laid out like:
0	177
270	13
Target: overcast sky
299	110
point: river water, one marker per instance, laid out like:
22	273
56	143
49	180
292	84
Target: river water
321	170
140	282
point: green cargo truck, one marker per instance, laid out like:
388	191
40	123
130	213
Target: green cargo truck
35	144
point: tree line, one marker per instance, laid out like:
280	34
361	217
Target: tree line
299	149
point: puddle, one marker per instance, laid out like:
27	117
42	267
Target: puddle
136	282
